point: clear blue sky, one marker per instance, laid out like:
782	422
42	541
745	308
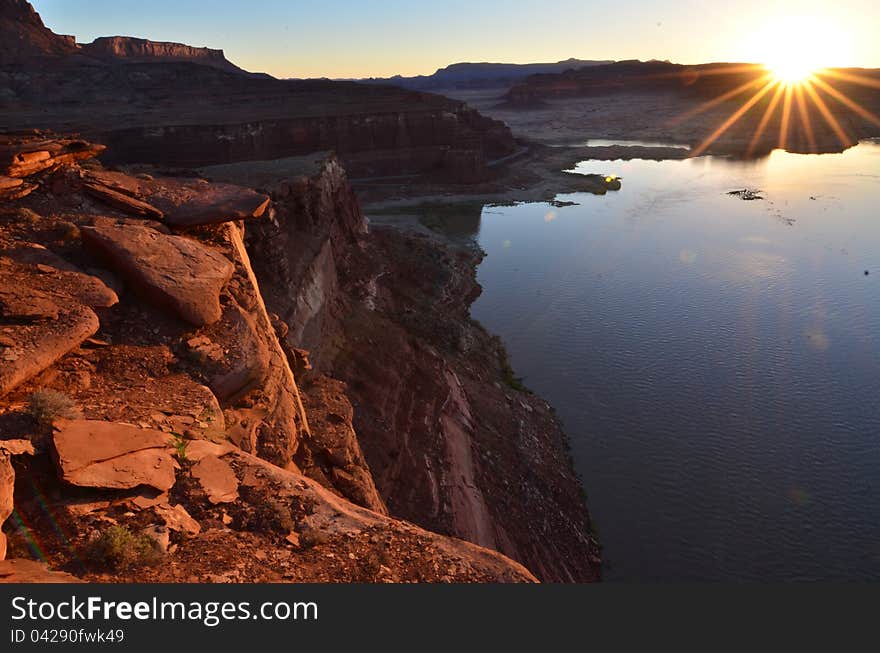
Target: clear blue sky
350	38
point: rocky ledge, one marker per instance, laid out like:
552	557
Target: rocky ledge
158	402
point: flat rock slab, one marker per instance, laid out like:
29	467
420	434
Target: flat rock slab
176	518
20	570
9	183
174	272
24	157
28	349
121	201
24	280
118	181
110	455
17	447
190	204
17	192
217	479
199	449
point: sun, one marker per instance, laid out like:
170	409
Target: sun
794	48
804	58
791	71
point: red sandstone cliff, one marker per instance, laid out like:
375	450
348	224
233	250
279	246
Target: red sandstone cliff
128	49
145	389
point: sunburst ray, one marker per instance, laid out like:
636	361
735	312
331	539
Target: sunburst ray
803	112
732	119
786	117
765	119
846	101
705	106
846	76
832	122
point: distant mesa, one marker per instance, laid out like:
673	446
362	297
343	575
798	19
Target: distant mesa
132	50
23	37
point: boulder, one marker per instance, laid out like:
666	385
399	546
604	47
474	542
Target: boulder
199	449
46	306
174	272
160	536
118	181
31	275
9	183
217	479
39	344
17	192
24	304
176	518
115	456
121	201
193	204
17	447
31	571
21	158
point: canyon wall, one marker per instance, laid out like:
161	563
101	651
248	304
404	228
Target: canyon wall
451	445
147	393
454	141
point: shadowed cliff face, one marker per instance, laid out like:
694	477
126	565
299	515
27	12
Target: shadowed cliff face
450	446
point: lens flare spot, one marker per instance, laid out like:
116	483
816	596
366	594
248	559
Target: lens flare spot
798	495
817	339
687	256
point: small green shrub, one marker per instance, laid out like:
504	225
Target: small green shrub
180	444
45	406
119	548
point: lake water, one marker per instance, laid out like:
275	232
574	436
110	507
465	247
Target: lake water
716	362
